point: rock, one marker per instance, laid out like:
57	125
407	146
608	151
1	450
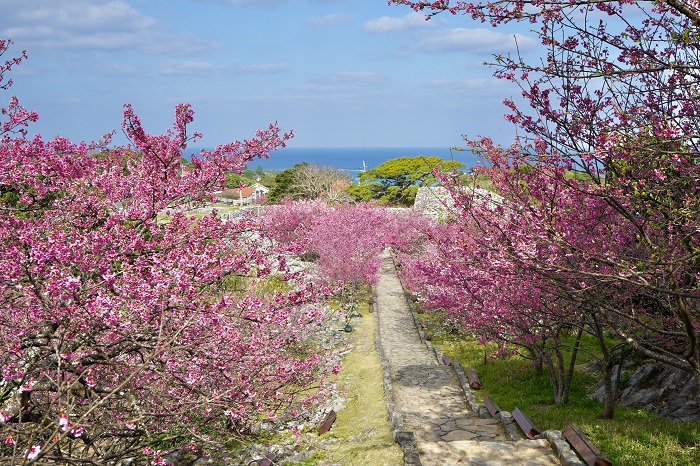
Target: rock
301	456
208	461
328	442
666	391
562	448
183	457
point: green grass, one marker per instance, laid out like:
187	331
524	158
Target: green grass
634	437
362	426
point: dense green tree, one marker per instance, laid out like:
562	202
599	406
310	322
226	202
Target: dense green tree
233	180
396	181
282	186
362	192
250	177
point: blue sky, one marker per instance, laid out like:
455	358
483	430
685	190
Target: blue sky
340	73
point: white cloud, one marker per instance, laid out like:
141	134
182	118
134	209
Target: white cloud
186	68
80	15
474	40
332	19
96	24
392	24
266	68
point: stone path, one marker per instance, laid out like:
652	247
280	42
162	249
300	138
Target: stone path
429	397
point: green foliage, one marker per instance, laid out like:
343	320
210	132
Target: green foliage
578	175
396	181
249	174
362	192
233	180
10	198
270	285
282	186
249	177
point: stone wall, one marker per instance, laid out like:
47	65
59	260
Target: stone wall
436	201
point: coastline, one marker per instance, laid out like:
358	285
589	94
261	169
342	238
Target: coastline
347	158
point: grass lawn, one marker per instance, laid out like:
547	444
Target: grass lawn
634	437
362	427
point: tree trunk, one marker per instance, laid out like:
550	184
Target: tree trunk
610	385
536	360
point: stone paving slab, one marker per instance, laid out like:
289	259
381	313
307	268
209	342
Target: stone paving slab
488	453
429	397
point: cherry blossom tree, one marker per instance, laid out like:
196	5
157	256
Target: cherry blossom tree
464	272
344	241
122	335
609	146
14	115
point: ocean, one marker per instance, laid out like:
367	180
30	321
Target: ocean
350	159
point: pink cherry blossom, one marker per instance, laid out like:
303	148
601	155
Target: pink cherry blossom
596	227
124	324
33	452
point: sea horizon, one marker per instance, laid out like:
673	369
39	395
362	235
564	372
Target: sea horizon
353	159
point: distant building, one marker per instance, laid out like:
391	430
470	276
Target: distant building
243	196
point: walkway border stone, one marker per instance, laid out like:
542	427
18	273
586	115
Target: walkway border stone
406	440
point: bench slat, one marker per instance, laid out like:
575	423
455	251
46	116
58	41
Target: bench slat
327	423
584	447
474	381
491	406
526	425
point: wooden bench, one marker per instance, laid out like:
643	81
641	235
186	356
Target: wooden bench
267	461
491	406
526	425
327	423
474	381
584	447
447	360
